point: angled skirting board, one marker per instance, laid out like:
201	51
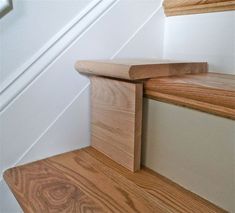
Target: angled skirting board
32	68
5	7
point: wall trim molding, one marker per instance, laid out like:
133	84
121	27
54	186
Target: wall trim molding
5	7
12	87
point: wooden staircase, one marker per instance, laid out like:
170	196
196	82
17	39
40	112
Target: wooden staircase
108	177
87	181
208	92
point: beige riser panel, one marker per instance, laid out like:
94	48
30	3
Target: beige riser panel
192	148
116	115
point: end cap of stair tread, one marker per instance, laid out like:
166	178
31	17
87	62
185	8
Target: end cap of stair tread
137	69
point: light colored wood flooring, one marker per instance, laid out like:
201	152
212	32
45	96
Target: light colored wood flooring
184	7
87	181
208	92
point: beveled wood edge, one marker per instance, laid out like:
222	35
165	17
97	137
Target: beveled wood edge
190	103
148	71
85	67
199	8
136	72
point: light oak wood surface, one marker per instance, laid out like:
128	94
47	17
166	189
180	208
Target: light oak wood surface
136	69
184	7
210	92
85	181
116	118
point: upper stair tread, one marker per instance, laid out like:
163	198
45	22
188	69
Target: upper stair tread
87	181
137	69
209	92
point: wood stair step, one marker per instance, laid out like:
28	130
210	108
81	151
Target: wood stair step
116	102
208	92
136	69
87	181
183	83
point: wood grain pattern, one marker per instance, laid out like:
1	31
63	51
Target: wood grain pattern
116	117
88	181
184	7
137	69
210	92
40	188
163	191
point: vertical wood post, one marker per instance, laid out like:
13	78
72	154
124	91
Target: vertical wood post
116	116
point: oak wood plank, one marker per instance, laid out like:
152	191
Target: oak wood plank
116	119
209	92
163	190
184	7
117	195
136	69
88	181
41	188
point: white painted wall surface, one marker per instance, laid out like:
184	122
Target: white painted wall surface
51	115
5	7
204	37
31	24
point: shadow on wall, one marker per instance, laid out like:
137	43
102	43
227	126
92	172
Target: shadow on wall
8	203
144	130
5	7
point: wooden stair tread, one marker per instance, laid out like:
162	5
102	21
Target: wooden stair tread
184	7
136	69
87	181
209	92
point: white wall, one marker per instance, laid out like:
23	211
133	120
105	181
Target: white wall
25	30
51	115
203	37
